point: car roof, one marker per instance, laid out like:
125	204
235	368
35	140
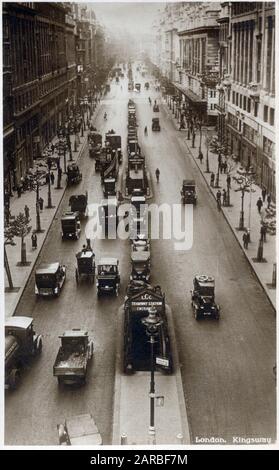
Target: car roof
137	198
140	255
18	322
189	183
50	268
107	180
86	254
69	216
74	333
108	261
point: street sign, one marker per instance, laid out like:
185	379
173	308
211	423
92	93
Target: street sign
162	361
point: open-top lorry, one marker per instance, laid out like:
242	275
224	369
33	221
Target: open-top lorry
74	355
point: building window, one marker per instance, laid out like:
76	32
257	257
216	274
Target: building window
244	103
240	101
248	105
271	117
256	108
236	99
265	113
233	97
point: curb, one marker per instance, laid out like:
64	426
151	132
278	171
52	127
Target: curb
47	232
177	375
229	224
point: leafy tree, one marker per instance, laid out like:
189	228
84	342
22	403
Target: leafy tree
20	227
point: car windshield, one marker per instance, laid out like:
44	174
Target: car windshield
106	269
46	280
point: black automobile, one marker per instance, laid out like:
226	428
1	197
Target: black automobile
203	298
49	279
140	266
108	277
188	192
70	224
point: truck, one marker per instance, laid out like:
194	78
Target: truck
79	430
72	361
21	343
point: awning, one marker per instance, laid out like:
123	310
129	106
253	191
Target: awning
193	97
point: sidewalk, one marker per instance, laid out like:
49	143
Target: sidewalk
20	274
132	393
263	270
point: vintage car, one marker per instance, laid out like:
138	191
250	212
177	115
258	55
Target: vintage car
85	265
156	124
73	174
130	86
71	363
141	243
79	430
108	277
49	279
140	266
188	192
138	86
21	343
156	108
146	85
78	203
70	224
109	187
203	298
114	142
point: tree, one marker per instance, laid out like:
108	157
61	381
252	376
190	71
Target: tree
19	227
8	240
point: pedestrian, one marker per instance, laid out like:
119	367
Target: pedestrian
41	203
34	240
268	200
219	159
52	148
224	197
259	204
263	232
47	178
212	178
218	198
225	166
18	189
88	244
52	177
229	181
26	211
201	156
245	240
263	194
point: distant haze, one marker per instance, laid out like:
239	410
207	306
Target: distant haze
133	17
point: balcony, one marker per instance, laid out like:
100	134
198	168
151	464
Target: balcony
210	79
254	91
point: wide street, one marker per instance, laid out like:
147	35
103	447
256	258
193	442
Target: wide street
226	366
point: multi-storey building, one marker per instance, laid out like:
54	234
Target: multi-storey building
49	64
250	107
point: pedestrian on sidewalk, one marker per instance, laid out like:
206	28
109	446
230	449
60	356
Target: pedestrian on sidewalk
52	177
245	240
268	200
263	194
201	156
263	232
224	197
259	204
18	189
34	240
26	211
218	198
212	178
41	203
229	181
225	167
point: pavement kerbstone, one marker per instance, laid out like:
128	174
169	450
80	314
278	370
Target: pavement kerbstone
21	275
263	270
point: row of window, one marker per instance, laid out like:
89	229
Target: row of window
241	101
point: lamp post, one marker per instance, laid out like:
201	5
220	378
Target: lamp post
152	322
49	201
244	180
218	172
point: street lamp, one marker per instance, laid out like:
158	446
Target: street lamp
244	180
152	323
49	202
